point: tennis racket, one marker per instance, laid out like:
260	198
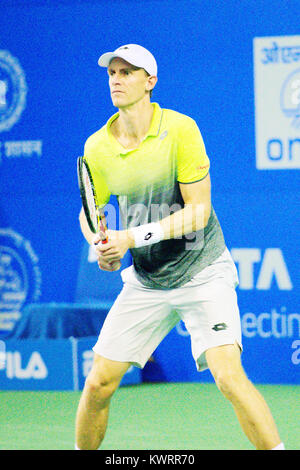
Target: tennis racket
93	213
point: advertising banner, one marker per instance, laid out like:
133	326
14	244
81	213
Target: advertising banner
277	102
37	365
237	77
53	364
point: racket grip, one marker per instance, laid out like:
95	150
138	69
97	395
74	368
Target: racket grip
96	240
106	237
115	264
102	226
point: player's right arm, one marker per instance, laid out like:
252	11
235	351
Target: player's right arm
103	194
85	229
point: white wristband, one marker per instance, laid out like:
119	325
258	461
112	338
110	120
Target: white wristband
147	234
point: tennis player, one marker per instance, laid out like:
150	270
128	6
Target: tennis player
155	161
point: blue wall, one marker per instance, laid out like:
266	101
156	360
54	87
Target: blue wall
205	60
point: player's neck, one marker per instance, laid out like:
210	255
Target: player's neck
133	123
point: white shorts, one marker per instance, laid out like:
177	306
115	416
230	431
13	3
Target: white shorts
141	317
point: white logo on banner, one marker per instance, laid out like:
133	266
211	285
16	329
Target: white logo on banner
35	369
13	90
276	323
277	102
296	353
20	277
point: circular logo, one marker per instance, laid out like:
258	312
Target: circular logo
20	277
13	90
290	97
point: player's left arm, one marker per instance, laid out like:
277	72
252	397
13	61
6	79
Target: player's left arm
194	182
195	214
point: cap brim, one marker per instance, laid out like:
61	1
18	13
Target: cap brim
105	59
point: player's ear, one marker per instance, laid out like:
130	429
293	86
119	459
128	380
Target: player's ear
151	82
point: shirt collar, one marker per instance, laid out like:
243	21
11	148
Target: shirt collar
156	121
153	129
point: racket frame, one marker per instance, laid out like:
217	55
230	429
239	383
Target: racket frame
101	222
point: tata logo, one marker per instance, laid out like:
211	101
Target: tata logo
34	369
270	265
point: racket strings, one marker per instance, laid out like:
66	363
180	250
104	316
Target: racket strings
89	194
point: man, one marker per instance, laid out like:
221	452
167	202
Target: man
155	161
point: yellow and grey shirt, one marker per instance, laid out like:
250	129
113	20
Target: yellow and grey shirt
146	183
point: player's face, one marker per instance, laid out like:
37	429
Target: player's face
127	84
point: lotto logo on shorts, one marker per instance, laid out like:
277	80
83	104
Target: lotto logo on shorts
219	327
277	102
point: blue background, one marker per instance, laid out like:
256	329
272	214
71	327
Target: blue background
204	52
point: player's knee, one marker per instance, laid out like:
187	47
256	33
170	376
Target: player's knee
100	386
230	382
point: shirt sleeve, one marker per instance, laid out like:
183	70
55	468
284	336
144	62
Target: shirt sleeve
192	162
102	191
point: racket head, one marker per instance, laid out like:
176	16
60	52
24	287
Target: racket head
88	194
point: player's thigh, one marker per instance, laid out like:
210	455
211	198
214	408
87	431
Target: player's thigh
138	321
106	373
224	359
211	316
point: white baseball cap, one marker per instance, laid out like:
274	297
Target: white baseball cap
133	54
